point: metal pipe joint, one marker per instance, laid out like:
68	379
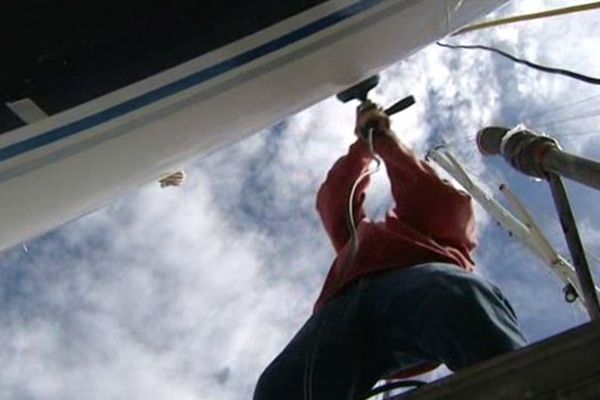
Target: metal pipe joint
521	148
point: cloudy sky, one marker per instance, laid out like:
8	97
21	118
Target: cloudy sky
188	293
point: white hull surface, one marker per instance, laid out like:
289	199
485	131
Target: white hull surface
71	163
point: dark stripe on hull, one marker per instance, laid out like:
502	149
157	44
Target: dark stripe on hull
187	82
64	53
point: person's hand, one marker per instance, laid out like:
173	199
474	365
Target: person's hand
370	116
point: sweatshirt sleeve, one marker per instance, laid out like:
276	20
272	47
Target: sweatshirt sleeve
333	196
424	201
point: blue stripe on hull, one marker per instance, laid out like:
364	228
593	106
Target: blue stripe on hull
185	83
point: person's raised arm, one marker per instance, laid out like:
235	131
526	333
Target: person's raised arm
334	194
423	200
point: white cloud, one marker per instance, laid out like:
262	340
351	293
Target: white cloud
173	296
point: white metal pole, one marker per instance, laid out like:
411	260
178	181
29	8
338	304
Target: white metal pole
524	227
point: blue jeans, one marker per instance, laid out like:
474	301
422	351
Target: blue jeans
390	321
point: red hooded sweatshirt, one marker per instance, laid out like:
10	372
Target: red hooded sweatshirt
431	220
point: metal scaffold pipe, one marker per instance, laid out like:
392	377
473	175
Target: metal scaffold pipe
537	155
567	221
540	156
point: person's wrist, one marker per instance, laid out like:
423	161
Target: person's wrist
384	139
361	148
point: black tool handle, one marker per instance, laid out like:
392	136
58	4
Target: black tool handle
400	105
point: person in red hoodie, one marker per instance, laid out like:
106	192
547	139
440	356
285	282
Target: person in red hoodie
401	297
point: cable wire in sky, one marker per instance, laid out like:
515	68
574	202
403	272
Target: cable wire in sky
539	67
562	107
